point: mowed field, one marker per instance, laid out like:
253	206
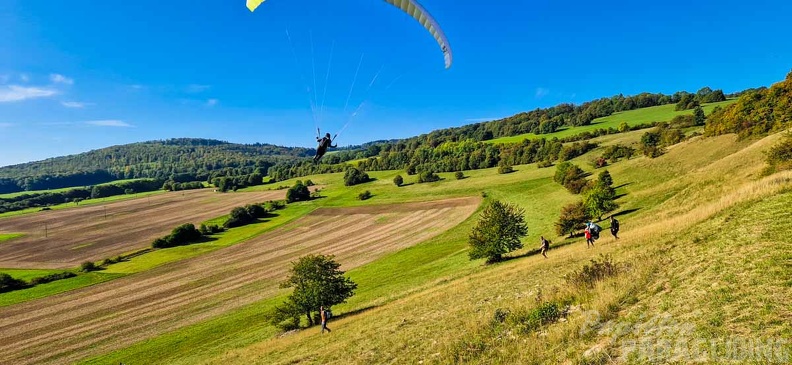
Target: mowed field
102	231
109	316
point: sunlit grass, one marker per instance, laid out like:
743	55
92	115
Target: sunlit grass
662	113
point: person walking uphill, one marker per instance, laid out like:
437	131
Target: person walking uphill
545	246
614	228
323	313
589	239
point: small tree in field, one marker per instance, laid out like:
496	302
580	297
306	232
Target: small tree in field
598	200
398	180
498	231
459	175
317	281
572	217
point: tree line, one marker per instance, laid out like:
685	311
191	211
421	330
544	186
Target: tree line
78	195
181	160
756	112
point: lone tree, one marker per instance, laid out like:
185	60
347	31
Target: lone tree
498	232
353	176
572	217
298	192
598	200
317	281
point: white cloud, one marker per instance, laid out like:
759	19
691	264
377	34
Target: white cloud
136	86
6	125
108	123
541	92
196	88
12	93
24	77
75	104
60	79
212	102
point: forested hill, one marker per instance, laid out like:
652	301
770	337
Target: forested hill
183	159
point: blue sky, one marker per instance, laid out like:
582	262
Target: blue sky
83	74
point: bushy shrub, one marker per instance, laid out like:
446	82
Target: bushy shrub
505	169
274	205
364	195
428	176
180	236
459	175
544	164
353	176
589	275
779	157
618	151
52	277
88	266
298	192
600	162
398	180
8	283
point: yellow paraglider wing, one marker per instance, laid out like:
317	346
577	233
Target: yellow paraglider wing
253	4
415	10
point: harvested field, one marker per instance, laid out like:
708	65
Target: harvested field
85	233
105	317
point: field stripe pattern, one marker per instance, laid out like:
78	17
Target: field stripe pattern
95	320
97	232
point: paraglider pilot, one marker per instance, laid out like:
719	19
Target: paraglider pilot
324	143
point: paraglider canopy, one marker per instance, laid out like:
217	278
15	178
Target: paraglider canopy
414	9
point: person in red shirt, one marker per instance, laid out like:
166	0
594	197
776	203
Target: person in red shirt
589	239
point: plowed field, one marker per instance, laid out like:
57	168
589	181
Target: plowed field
98	319
97	232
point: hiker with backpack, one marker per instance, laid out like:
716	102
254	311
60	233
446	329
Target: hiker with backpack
614	228
545	246
325	314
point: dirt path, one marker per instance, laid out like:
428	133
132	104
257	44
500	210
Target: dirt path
97	232
109	316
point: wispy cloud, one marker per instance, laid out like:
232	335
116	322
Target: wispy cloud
60	79
13	93
541	92
108	123
24	78
75	104
4	79
136	86
6	125
196	88
212	102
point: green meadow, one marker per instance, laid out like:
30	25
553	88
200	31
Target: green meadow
661	113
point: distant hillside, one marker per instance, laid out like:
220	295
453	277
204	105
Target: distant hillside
183	159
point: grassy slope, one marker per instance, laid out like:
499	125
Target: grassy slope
660	113
675	240
55	287
382	281
9	236
422	267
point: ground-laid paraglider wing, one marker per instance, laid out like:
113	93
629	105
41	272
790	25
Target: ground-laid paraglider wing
414	9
